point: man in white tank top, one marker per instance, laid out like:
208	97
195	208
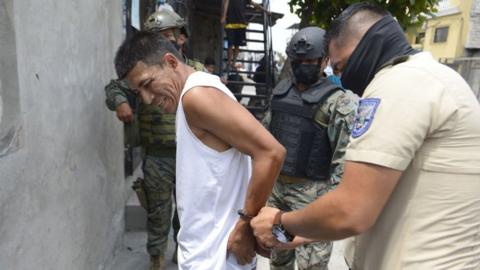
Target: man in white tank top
226	161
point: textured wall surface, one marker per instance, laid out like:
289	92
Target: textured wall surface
62	192
9	99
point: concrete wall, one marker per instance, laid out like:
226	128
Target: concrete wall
62	192
9	99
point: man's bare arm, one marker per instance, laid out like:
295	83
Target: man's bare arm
349	210
212	111
352	208
221	122
223	18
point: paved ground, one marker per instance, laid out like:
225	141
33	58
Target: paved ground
134	257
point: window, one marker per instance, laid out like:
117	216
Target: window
441	34
419	38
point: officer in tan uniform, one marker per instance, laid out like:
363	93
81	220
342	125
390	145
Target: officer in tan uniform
157	137
411	186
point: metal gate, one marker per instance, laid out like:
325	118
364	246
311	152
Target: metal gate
469	68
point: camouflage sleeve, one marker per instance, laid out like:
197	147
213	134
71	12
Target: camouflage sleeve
116	93
196	65
338	114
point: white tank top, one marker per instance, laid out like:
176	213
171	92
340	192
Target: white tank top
211	187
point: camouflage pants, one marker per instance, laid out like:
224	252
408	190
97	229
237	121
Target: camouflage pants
288	197
159	174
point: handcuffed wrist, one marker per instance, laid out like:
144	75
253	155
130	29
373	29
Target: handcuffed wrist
243	215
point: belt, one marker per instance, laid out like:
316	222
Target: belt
235	26
160	152
285	179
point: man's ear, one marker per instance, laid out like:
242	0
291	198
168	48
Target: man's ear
170	60
324	62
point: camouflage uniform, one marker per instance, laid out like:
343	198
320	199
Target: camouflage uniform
195	65
337	115
157	137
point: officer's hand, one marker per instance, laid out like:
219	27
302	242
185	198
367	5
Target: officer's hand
262	227
262	251
241	242
124	112
296	242
223	19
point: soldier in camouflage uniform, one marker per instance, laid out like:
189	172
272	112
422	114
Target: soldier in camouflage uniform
157	137
312	119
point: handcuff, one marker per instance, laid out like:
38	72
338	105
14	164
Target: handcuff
244	215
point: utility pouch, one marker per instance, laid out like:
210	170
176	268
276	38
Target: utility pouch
139	188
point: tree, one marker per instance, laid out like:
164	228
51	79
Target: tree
322	12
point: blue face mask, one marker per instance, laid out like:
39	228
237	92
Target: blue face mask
306	74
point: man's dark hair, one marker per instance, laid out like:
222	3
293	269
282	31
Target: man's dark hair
209	61
147	47
341	29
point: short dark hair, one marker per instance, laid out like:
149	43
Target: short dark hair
340	27
209	61
147	47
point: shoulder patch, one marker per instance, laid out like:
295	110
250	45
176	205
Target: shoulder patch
365	114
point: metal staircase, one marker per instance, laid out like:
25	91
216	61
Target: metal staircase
260	101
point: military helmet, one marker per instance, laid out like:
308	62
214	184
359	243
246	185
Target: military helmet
308	43
165	19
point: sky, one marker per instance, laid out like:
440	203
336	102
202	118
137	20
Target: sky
279	31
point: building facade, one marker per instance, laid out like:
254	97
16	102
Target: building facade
449	31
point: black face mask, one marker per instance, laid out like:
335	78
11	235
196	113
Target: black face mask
307	74
384	41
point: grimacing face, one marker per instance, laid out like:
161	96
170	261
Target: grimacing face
159	86
339	56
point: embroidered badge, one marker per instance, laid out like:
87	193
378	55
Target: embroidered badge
363	119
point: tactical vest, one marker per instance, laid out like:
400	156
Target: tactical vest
157	129
308	148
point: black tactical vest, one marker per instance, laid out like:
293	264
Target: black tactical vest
308	148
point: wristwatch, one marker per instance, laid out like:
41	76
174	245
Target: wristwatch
279	231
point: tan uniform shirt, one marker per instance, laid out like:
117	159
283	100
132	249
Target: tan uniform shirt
422	118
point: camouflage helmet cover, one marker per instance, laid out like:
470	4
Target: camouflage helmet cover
308	43
164	19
